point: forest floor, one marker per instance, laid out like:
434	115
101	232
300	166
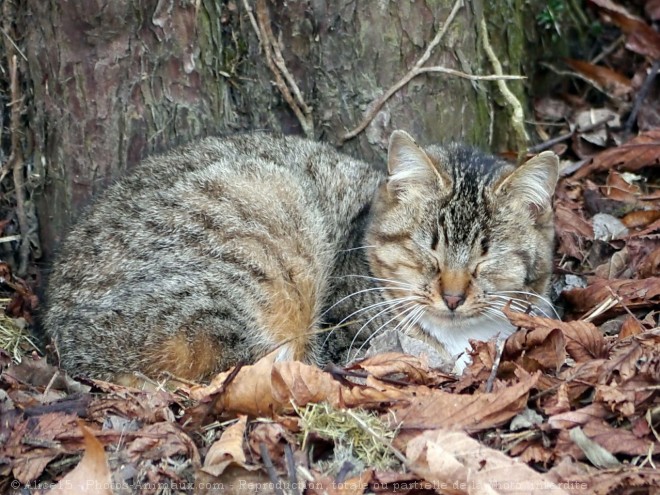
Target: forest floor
563	406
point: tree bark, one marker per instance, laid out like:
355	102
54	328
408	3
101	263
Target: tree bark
112	81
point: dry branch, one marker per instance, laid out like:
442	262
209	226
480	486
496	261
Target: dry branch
517	113
15	163
284	81
419	69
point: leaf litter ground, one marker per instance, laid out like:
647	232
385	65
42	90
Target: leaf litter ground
568	406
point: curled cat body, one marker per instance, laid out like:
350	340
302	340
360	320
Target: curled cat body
230	248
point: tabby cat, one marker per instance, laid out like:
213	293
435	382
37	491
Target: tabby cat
228	249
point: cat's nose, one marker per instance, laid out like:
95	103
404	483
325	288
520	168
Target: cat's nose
453	301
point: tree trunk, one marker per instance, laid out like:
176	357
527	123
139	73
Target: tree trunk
112	81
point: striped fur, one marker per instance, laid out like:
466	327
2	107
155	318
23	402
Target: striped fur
224	250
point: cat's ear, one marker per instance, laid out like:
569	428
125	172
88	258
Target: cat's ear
532	184
409	166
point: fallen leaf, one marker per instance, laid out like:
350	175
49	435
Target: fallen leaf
599	135
607	80
328	485
641	151
652	9
475	412
640	37
628	397
618	189
274	436
614	267
457	464
544	346
578	478
631	293
630	326
579	417
91	475
249	392
29	463
388	364
614	440
228	450
650	267
162	440
584	341
573	231
640	219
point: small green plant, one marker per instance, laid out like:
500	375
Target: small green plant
565	27
552	17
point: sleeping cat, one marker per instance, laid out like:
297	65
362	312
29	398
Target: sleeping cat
228	249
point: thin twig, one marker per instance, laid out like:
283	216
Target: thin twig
377	105
517	114
499	350
291	469
270	468
564	137
18	50
419	69
16	164
641	95
253	21
276	64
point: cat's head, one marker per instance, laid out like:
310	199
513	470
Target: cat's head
458	233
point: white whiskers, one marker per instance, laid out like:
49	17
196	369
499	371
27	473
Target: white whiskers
410	309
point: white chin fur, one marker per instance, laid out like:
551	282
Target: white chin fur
455	334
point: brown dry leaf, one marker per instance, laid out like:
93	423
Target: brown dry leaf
249	392
640	219
228	450
37	372
557	403
652	9
234	481
150	407
30	462
91	476
572	231
475	412
539	348
584	341
326	485
579	417
641	151
636	355
629	397
532	451
161	440
650	267
394	363
640	37
274	437
630	326
580	478
617	266
457	464
303	384
608	80
268	388
614	440
632	293
618	189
